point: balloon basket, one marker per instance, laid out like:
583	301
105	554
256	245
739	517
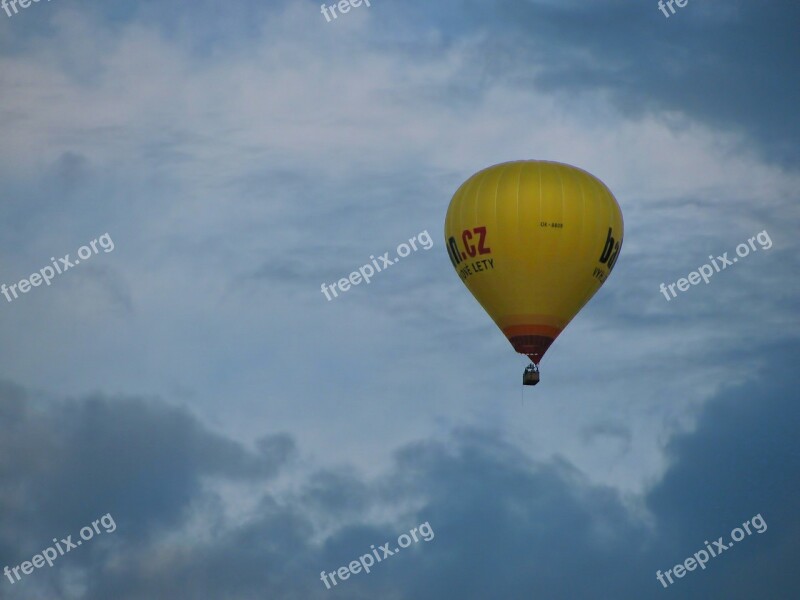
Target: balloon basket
531	375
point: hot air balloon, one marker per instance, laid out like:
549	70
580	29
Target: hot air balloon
533	241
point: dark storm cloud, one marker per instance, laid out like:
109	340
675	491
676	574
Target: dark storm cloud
742	460
67	462
504	526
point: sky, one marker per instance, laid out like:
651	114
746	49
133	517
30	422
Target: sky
190	382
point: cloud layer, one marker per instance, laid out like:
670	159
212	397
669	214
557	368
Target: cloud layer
505	526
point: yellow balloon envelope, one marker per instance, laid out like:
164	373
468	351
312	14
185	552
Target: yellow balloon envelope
533	241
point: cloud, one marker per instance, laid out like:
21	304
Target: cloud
700	63
505	526
75	459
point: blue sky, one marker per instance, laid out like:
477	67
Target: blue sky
246	433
